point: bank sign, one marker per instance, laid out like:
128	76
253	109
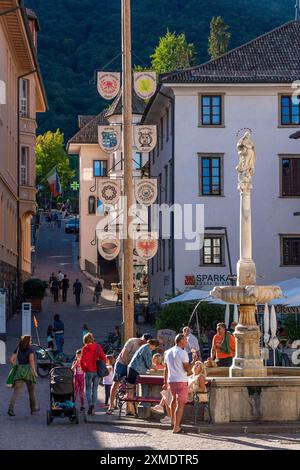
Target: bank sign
200	280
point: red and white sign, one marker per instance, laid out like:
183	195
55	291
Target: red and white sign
108	84
146	245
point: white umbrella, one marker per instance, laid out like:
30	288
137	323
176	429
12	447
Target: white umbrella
227	313
235	314
266	325
273	343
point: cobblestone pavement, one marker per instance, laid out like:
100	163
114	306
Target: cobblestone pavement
58	251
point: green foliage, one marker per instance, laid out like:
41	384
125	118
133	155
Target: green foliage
291	328
176	316
34	289
50	152
78	37
172	53
219	37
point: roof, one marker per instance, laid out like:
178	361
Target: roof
84	120
138	105
88	134
271	58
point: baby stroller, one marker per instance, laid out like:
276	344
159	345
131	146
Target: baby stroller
62	403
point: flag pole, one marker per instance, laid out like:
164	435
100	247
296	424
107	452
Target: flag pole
35	322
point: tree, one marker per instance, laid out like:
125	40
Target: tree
219	37
50	152
172	53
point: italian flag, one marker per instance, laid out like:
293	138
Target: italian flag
54	183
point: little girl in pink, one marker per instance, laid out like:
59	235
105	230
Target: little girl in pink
78	379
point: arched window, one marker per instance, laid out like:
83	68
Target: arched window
92	205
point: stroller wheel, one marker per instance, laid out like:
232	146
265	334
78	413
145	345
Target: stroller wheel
49	418
42	371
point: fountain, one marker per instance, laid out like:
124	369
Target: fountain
252	392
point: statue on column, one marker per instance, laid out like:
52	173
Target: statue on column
245	168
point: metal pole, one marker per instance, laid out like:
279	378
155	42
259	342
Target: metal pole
128	299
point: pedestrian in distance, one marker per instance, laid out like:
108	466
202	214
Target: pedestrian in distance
55	286
91	353
50	337
78	379
108	380
65	284
77	291
176	377
23	359
97	292
192	343
59	331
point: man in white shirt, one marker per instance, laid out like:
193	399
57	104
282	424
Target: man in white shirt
192	344
176	375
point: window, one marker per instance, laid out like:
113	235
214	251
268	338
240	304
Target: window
211	110
290	111
100	168
290	249
24	166
92	205
290	177
137	161
161	133
210	175
212	250
168	124
24	97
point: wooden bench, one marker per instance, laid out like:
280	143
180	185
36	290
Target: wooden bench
122	397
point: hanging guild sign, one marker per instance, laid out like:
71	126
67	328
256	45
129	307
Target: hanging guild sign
109	246
109	137
144	84
146	245
145	138
145	191
108	84
109	191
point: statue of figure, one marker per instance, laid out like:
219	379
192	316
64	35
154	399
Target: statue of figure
247	153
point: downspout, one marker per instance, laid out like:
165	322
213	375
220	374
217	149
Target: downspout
172	100
19	267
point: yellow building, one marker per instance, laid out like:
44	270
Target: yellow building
24	96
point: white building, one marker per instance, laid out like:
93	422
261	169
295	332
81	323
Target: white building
199	112
95	164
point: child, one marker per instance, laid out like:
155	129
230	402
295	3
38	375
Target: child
108	380
78	379
157	362
50	337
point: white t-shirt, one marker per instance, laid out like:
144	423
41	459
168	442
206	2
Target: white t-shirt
174	358
108	380
60	277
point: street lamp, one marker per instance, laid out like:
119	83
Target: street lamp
232	277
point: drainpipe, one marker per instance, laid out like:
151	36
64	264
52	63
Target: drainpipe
172	100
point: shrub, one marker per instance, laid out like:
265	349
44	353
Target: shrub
34	289
291	328
176	316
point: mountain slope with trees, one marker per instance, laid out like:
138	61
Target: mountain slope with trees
80	36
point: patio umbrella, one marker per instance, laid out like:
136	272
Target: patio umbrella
266	325
235	313
273	342
227	313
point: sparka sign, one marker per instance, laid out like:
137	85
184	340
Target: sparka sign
199	280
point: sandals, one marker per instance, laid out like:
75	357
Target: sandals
181	431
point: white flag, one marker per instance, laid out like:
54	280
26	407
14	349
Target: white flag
108	84
145	191
109	191
145	138
109	137
144	84
109	246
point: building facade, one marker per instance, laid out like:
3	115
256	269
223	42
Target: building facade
24	96
201	113
94	164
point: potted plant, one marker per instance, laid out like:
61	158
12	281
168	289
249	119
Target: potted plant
34	291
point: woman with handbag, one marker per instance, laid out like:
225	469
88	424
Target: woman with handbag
23	373
92	360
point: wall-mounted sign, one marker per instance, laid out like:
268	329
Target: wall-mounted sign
199	280
166	339
109	137
145	138
108	84
109	246
109	191
145	191
26	319
146	245
144	84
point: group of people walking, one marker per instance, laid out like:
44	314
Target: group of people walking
60	283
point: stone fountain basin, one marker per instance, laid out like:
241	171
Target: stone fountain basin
246	295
